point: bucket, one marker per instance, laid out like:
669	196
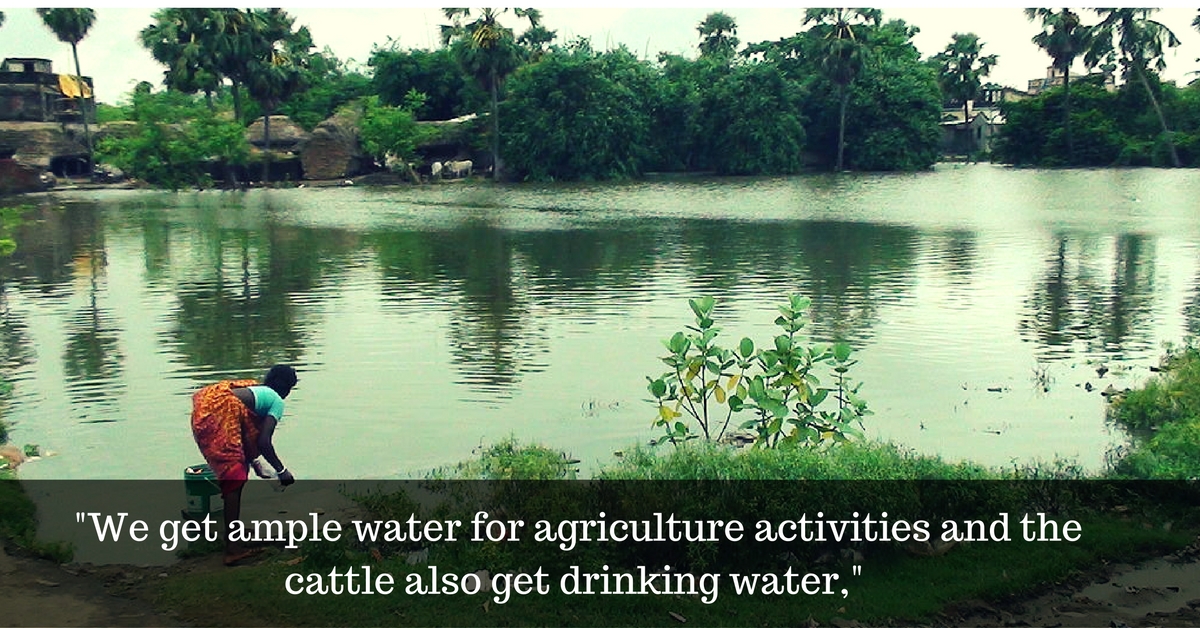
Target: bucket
200	485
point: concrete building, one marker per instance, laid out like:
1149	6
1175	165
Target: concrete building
1054	78
30	91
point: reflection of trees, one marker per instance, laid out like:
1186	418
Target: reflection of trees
16	348
156	246
49	240
92	357
476	263
846	268
1074	303
504	283
851	269
240	315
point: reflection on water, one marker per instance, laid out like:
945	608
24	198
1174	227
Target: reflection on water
426	320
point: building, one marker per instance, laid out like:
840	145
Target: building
1054	78
971	131
971	134
30	91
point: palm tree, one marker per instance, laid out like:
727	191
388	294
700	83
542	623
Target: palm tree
963	68
1064	38
844	53
182	39
1140	42
71	26
274	69
488	51
718	36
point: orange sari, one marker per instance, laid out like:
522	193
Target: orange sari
226	432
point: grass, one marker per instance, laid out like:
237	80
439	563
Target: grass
893	585
1169	407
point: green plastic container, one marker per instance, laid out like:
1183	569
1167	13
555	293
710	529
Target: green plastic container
200	484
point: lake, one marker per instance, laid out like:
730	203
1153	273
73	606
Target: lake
427	321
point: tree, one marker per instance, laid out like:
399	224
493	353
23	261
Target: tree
578	115
71	26
962	67
174	140
489	52
1	18
718	36
1064	38
275	66
183	40
842	53
435	73
1140	43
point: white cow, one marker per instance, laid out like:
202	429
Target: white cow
435	170
458	168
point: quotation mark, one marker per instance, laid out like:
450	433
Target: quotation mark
80	517
857	570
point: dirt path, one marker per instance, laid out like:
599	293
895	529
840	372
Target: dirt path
41	593
1163	591
1160	592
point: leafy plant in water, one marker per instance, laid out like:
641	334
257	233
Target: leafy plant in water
777	385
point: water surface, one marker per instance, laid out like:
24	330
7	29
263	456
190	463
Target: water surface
426	321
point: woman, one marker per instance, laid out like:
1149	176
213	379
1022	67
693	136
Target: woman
233	422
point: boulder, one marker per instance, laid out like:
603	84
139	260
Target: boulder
333	150
285	134
18	178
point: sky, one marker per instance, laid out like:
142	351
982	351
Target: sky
112	55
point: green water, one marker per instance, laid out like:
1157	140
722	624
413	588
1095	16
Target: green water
428	321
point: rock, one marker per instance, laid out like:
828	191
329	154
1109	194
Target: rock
18	178
12	455
285	134
333	151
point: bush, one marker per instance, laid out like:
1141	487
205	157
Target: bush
1173	395
778	386
175	142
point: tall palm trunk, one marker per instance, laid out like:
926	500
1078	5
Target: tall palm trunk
1066	70
842	128
1162	120
83	110
495	127
266	169
237	103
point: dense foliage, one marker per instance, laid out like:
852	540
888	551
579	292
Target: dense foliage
577	114
173	141
1116	128
386	130
849	90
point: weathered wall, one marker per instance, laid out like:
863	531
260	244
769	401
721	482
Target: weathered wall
36	143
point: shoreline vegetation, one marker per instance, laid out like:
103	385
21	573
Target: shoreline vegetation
847	92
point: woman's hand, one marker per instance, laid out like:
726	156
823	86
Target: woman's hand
259	469
286	478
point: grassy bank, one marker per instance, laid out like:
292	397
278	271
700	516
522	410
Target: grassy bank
898	581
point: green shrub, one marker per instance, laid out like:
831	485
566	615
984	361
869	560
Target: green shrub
1172	454
1173	395
777	386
